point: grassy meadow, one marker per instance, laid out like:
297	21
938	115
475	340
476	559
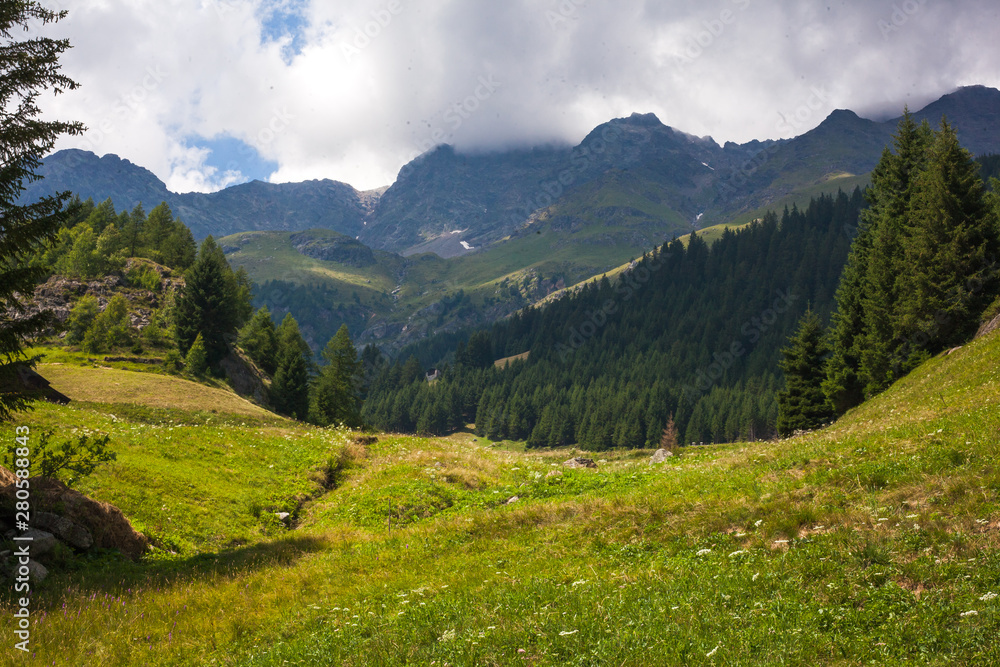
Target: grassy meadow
874	541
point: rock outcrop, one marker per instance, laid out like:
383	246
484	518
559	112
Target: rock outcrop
70	517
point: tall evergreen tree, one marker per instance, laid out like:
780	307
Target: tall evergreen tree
802	404
891	197
28	68
951	252
864	335
212	303
339	385
157	228
290	387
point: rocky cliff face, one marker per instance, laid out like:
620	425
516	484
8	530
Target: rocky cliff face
249	206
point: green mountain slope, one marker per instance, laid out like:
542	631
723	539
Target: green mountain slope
876	540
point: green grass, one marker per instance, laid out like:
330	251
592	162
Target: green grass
111	385
870	542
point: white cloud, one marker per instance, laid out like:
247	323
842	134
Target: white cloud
375	81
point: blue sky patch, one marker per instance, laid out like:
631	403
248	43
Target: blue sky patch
283	19
231	154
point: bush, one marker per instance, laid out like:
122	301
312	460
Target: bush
110	329
81	317
144	277
174	362
70	459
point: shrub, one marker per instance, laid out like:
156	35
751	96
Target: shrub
81	317
110	329
144	277
70	459
174	362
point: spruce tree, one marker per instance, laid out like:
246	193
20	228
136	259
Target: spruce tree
802	405
891	197
864	335
213	303
290	387
337	389
951	252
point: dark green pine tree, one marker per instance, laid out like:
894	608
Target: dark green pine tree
339	384
863	342
890	195
479	352
802	405
259	339
179	250
213	303
951	252
27	68
290	387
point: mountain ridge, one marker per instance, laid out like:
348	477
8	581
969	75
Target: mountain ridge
633	178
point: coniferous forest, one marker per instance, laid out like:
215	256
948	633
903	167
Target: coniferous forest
693	336
689	332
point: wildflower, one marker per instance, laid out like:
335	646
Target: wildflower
703	552
737	553
757	523
568	632
988	597
578	583
712	652
447	636
969	613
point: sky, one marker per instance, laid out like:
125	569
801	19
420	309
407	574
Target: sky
210	93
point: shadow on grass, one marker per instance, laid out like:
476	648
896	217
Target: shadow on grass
109	572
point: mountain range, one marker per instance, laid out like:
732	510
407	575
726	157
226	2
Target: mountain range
509	227
453	203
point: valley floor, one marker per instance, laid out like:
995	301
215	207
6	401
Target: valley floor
874	541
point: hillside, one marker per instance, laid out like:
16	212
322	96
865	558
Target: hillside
874	540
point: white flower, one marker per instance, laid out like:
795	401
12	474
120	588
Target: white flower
988	597
737	553
703	552
969	613
756	574
568	632
712	652
757	523
579	583
447	636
